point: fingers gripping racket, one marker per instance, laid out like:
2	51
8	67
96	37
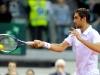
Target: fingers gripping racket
9	43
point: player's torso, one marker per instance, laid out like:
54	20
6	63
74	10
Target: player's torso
85	58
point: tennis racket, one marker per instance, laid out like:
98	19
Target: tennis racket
9	43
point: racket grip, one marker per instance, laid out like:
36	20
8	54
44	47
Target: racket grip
29	43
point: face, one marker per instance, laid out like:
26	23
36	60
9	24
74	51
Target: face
77	20
12	66
3	8
60	68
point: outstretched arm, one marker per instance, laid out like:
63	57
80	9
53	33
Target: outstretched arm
53	47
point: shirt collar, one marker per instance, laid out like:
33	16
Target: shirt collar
87	30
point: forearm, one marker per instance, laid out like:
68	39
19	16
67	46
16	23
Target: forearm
56	47
53	47
92	46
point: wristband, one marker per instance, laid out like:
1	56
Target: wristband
47	45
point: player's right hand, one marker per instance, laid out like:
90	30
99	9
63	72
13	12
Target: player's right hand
38	44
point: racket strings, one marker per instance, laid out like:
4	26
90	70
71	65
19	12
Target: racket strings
8	43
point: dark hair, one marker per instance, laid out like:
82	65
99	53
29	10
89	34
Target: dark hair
83	12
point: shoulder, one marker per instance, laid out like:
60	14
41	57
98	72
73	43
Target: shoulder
93	31
95	36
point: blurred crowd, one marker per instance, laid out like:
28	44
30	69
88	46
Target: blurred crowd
12	69
59	69
48	20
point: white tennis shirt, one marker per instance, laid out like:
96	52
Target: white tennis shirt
86	59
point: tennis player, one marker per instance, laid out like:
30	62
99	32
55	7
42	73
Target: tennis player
85	42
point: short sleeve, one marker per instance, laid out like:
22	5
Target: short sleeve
96	37
69	40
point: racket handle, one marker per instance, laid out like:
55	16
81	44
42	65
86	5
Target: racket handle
29	43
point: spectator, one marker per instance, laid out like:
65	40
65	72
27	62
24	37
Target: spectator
51	26
62	19
38	22
17	10
12	68
30	72
96	11
5	15
60	68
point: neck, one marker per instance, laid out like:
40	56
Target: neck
85	26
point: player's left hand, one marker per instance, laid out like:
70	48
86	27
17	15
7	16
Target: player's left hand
76	32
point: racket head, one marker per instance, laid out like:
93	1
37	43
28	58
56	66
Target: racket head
8	43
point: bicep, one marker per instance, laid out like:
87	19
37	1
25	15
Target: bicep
62	46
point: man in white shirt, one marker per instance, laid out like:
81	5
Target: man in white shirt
85	42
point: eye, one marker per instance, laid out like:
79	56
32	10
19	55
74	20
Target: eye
75	17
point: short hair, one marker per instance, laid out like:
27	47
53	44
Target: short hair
60	62
31	71
83	12
12	62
